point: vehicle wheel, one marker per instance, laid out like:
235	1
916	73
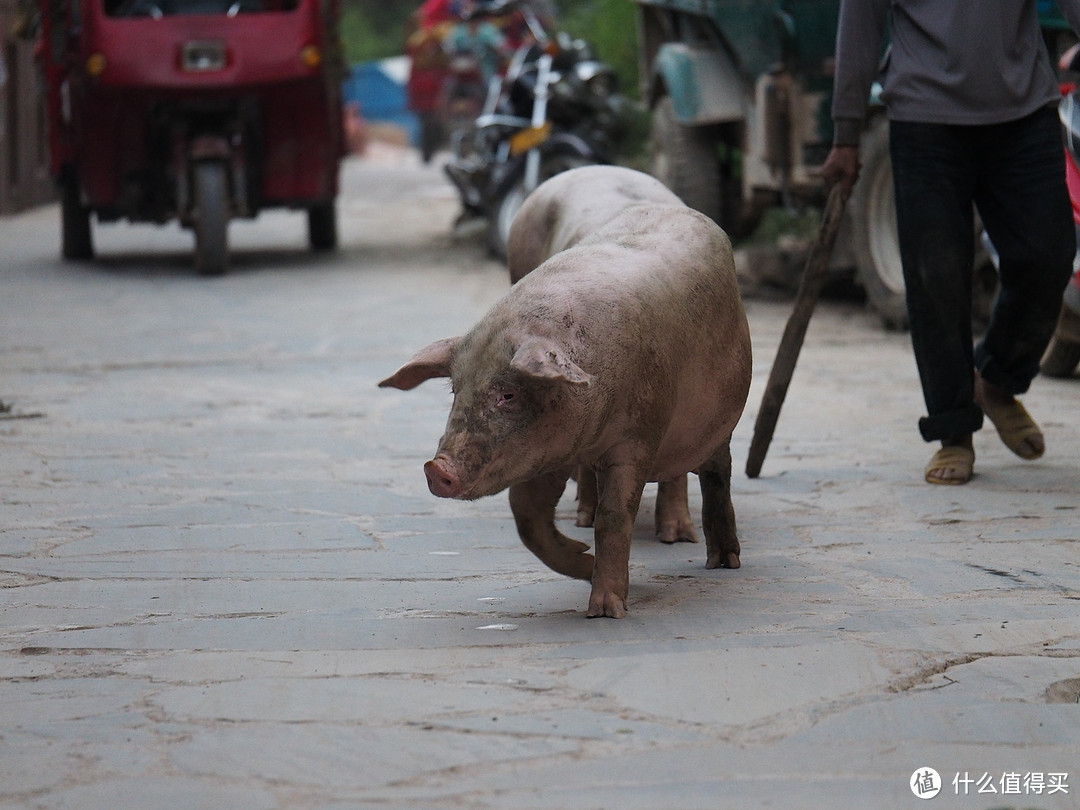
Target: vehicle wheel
1061	358
504	209
431	135
77	242
211	218
684	161
502	217
322	226
874	236
688	161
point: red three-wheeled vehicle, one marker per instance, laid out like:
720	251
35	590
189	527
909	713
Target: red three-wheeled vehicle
197	110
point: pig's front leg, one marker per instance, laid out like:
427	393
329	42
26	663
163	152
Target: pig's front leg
619	489
717	513
673	521
533	504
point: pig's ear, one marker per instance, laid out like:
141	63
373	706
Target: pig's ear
431	361
543	359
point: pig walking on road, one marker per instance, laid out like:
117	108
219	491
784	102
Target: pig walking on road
627	352
558	216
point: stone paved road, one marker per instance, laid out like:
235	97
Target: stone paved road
223	583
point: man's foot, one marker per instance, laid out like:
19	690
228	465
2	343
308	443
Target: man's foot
1014	424
953	463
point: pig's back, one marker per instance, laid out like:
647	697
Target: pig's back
649	258
570	206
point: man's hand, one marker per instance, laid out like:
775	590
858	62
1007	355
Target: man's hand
842	166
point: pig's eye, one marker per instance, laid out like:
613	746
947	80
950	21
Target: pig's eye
506	399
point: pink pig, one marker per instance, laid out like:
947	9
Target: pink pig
627	352
557	217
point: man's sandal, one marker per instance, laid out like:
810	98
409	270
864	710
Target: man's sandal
1015	426
956	458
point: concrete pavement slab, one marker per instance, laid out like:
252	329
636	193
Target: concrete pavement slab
224	584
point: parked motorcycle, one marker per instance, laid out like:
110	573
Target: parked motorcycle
557	108
463	91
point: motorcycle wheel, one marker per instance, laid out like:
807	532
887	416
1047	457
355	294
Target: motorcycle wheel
211	220
76	242
322	227
431	135
875	241
506	207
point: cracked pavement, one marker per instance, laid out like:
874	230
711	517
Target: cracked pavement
223	582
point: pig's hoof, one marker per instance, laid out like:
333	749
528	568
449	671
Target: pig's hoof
723	559
676	531
585	517
608	604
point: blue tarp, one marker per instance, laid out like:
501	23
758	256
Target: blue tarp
379	88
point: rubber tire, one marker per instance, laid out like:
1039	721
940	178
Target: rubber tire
685	160
502	217
1061	358
504	209
431	135
77	241
322	227
875	242
211	217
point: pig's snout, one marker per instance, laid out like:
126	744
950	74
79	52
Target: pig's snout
442	477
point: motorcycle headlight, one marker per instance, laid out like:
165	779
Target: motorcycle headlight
565	88
598	79
603	85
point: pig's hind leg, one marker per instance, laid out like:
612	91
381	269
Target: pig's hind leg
717	513
586	495
673	521
533	504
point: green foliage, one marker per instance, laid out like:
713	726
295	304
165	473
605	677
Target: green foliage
610	26
375	29
779	222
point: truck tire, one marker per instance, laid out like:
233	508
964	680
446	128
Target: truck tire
1061	358
874	237
685	160
76	238
211	220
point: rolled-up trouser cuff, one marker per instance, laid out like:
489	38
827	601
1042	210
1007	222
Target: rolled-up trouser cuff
992	372
951	425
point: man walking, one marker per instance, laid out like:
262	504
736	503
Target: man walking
972	100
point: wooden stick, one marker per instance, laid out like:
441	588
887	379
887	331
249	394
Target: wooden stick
783	367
